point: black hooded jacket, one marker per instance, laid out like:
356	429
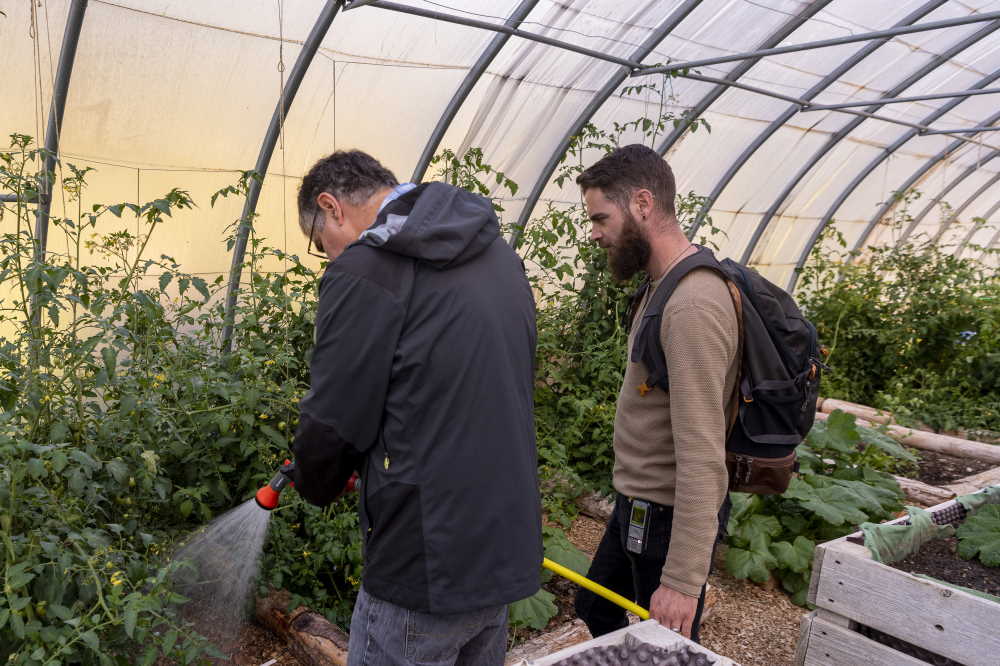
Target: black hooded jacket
422	380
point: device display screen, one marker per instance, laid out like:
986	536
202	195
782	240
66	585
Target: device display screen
638	515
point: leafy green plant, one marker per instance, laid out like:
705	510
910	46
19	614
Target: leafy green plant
979	536
123	427
536	610
910	328
841	483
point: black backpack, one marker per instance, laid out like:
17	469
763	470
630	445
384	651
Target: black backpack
779	372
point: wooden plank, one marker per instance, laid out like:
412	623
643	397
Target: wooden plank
828	405
564	636
830	645
971	484
950	622
929	441
802	645
922	493
833	618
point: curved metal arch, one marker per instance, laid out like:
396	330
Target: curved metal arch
737	72
972	232
915	222
596	102
470	81
953	216
934	63
57	108
884	155
913	179
284	103
974	17
780	121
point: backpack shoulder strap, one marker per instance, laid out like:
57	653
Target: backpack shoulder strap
646	347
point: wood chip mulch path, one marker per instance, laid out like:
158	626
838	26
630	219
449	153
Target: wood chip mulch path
748	623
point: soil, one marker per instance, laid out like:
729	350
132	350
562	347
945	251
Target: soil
938	469
751	624
939	559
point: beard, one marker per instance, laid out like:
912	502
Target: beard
631	253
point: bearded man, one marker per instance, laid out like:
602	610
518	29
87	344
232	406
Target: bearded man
670	469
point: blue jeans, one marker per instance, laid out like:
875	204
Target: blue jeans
384	634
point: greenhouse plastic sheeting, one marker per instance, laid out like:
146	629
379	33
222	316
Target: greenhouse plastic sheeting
180	93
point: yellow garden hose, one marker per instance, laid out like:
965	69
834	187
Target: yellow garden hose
613	597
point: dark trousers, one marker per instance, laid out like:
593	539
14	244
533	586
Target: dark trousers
633	576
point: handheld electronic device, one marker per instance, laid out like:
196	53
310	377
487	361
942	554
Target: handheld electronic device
638	527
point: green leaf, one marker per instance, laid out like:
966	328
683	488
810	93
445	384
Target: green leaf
980	535
756	526
560	550
534	612
110	357
91	639
168	641
202	288
4	615
274	435
796	556
165	280
36	468
118	469
131	617
887	444
128	403
750	564
185	508
18	576
149	656
837	432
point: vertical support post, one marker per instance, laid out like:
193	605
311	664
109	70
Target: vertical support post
298	72
491	51
60	90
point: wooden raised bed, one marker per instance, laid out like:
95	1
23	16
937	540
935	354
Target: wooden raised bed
852	591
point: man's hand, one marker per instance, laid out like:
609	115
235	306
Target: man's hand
673	610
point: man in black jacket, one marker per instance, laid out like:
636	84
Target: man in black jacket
422	382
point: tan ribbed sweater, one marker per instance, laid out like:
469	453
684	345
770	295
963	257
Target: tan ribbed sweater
673	446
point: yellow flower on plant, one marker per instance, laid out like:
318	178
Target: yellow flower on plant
263	417
117	578
306	553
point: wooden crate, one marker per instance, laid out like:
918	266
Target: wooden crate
849	589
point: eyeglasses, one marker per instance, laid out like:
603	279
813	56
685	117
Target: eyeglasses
317	243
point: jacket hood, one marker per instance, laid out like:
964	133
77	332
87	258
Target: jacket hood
437	223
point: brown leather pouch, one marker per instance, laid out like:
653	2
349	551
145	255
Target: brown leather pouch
763	476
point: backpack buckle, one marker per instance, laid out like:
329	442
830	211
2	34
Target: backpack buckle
744	468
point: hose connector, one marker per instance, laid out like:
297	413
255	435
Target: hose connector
267	497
